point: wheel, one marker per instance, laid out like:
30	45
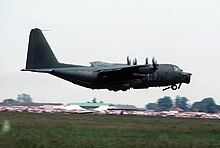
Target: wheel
174	87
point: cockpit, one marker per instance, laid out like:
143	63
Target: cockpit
177	69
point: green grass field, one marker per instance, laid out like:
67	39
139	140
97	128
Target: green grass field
73	130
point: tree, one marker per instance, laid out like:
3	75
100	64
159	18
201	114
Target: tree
164	103
24	98
9	100
209	105
206	105
181	102
196	106
94	100
218	108
152	106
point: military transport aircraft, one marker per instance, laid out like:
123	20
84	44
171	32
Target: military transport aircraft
102	75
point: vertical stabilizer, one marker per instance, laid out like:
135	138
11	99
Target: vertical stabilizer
39	54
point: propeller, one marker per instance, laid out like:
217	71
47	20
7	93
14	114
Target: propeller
135	61
154	62
128	61
146	61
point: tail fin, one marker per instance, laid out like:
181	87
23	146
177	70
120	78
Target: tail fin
40	54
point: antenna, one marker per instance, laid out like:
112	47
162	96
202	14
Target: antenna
46	30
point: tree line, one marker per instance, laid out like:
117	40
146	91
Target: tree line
22	98
206	105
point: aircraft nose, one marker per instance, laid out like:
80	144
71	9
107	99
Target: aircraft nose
187	78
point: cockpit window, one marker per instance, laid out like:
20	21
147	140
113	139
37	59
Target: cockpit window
177	68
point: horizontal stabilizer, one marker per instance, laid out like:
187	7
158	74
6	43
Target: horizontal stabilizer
39	70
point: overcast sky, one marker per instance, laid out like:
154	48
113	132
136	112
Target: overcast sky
185	33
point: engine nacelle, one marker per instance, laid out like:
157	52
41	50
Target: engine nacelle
146	70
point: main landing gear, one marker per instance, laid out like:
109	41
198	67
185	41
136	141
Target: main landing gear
173	87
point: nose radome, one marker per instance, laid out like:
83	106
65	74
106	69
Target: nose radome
187	78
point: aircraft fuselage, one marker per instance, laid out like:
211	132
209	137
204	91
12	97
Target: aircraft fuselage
89	77
102	75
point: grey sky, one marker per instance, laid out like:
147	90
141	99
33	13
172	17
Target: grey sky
185	33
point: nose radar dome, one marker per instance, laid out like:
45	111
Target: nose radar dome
187	78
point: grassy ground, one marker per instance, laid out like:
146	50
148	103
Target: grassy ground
74	130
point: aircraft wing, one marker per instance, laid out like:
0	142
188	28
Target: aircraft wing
121	72
100	64
131	68
104	66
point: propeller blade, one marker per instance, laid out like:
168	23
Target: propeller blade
134	61
154	62
146	61
128	61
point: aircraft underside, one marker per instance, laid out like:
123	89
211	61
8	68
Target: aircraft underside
90	79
